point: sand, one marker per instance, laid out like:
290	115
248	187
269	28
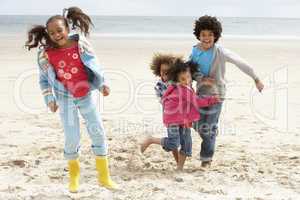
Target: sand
258	147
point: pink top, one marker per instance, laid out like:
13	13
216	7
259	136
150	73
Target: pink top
69	69
181	105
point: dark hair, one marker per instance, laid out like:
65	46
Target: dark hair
159	59
193	66
180	66
208	23
38	36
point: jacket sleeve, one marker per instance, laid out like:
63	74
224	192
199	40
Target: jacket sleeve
196	101
160	88
92	59
43	78
243	65
158	93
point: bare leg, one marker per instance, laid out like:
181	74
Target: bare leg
147	142
181	161
175	155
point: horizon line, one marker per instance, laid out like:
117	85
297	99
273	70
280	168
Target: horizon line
270	17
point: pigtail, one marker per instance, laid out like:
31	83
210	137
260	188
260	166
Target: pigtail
37	36
78	19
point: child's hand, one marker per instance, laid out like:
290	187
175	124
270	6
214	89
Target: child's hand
208	81
218	98
259	85
105	90
53	106
214	99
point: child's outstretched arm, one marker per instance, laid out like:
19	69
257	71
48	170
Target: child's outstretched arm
244	66
199	101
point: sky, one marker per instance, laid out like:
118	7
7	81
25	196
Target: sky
222	8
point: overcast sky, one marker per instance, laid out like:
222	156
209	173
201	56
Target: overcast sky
224	8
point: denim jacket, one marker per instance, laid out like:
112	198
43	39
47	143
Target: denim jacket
47	77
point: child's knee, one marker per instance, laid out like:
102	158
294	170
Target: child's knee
170	144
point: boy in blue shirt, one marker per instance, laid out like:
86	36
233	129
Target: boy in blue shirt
211	59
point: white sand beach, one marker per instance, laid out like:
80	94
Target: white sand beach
258	147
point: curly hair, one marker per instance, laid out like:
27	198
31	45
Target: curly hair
159	59
193	66
180	66
208	23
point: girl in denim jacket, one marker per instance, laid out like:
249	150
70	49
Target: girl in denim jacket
69	71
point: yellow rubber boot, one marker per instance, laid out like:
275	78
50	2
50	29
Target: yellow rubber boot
74	172
103	173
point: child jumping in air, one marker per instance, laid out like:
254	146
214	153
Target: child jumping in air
180	109
160	66
211	59
69	72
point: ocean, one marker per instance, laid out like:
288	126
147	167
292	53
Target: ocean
157	26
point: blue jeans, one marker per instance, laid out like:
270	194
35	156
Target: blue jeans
178	136
68	109
207	127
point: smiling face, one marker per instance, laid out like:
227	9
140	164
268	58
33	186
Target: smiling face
207	39
58	32
185	78
164	68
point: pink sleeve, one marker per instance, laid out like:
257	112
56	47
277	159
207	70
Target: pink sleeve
207	101
191	97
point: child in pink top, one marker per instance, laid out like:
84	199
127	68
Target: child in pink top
180	109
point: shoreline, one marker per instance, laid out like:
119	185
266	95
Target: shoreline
169	36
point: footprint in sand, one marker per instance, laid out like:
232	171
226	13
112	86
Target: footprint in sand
19	163
120	158
126	178
294	158
147	164
48	148
123	150
29	177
